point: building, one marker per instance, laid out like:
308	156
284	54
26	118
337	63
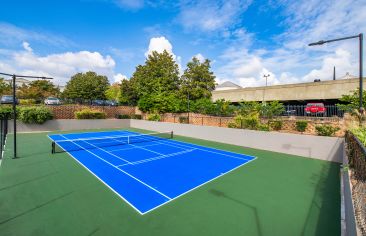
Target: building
18	82
227	85
325	91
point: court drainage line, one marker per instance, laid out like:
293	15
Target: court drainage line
162	194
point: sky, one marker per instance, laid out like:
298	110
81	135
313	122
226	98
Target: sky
244	39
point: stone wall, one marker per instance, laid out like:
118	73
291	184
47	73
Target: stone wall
68	111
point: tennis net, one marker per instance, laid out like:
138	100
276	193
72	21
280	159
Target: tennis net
69	145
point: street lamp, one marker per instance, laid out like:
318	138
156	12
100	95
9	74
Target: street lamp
360	38
14	77
266	76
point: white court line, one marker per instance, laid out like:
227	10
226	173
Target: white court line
97	148
121	149
158	157
162	194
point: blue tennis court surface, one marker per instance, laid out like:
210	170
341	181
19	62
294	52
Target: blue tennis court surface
150	172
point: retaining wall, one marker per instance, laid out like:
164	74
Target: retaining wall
68	124
324	148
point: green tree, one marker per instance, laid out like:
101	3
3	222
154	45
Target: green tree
203	106
157	81
38	90
224	108
129	93
271	109
113	92
87	86
198	80
5	88
351	101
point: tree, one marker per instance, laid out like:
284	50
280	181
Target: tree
87	86
128	94
198	80
5	88
154	82
159	74
38	90
113	92
224	108
351	101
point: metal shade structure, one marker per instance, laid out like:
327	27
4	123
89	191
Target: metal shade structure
360	37
14	77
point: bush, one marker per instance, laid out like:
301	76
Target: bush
276	124
6	111
136	117
27	101
183	119
250	122
326	130
263	127
34	115
123	116
301	125
89	114
154	117
233	125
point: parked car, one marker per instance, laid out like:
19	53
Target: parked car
316	109
52	101
111	103
8	99
98	103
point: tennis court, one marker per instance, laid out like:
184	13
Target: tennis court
147	170
276	194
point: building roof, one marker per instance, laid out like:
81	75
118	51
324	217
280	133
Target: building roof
228	84
348	76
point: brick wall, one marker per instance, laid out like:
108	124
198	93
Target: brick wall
289	123
68	111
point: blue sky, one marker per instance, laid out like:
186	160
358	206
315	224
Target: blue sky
243	39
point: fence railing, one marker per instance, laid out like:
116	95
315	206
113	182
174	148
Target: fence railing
300	110
356	153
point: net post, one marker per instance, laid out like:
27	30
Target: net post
171	134
53	147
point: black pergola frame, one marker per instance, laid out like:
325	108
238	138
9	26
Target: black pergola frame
14	77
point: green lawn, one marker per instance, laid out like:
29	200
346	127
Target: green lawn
277	194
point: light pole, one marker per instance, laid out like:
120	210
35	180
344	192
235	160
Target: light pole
360	38
266	76
14	77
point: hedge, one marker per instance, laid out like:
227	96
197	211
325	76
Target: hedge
89	114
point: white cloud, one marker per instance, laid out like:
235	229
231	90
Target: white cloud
207	15
200	57
159	44
119	77
59	66
27	47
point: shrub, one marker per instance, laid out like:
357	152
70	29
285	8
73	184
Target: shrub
154	117
263	127
326	130
89	114
276	124
123	116
136	117
301	125
35	115
6	111
183	119
233	125
27	101
250	122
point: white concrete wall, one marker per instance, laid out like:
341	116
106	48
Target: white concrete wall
324	148
70	124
